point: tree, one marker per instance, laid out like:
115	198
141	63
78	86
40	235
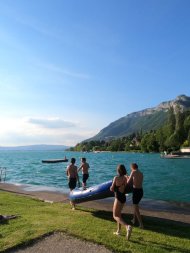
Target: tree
185	144
173	141
171	121
127	146
188	138
161	138
149	143
187	124
179	121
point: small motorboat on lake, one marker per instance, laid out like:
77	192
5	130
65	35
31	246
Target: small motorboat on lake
55	161
171	156
184	153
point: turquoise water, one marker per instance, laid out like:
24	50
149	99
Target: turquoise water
164	179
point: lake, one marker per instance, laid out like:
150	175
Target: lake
164	179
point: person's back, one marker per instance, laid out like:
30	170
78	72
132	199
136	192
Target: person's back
85	167
137	179
85	171
72	174
72	171
72	177
120	182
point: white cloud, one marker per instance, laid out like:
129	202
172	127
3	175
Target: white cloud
51	123
19	139
21	131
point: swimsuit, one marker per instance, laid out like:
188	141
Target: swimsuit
129	187
72	183
137	195
119	195
85	177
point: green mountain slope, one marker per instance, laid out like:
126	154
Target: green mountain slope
145	120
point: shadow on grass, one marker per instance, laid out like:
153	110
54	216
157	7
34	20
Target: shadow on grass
4	222
161	246
152	224
159	225
24	245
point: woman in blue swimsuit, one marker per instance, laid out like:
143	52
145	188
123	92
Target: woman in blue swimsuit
118	186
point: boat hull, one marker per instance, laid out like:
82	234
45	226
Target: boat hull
175	157
55	161
100	191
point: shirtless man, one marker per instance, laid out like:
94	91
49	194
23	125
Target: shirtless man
136	177
72	175
85	167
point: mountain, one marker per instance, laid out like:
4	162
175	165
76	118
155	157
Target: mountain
145	120
41	147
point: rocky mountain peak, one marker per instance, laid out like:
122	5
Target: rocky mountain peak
182	98
147	119
182	101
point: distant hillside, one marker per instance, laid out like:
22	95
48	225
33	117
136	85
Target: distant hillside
41	147
145	120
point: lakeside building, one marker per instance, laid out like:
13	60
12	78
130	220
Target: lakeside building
185	150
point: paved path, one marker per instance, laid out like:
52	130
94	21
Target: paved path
61	243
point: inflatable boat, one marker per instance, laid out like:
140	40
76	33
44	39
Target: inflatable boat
100	191
55	161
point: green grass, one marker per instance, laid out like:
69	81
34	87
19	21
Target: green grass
38	218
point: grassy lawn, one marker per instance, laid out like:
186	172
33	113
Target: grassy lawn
38	218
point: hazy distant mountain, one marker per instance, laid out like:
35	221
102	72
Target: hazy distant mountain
41	147
148	119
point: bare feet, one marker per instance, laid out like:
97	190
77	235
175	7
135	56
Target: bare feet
116	233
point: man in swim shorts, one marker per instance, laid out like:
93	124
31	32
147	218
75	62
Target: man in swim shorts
85	174
136	177
72	175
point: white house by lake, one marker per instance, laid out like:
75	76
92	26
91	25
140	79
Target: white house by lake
185	150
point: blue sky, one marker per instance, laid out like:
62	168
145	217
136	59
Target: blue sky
69	68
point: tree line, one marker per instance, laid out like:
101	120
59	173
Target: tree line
174	134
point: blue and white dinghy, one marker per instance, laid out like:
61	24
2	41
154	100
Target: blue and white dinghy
100	191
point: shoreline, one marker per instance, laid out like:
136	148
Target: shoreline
173	211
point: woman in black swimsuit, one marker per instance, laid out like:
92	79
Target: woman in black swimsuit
118	186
